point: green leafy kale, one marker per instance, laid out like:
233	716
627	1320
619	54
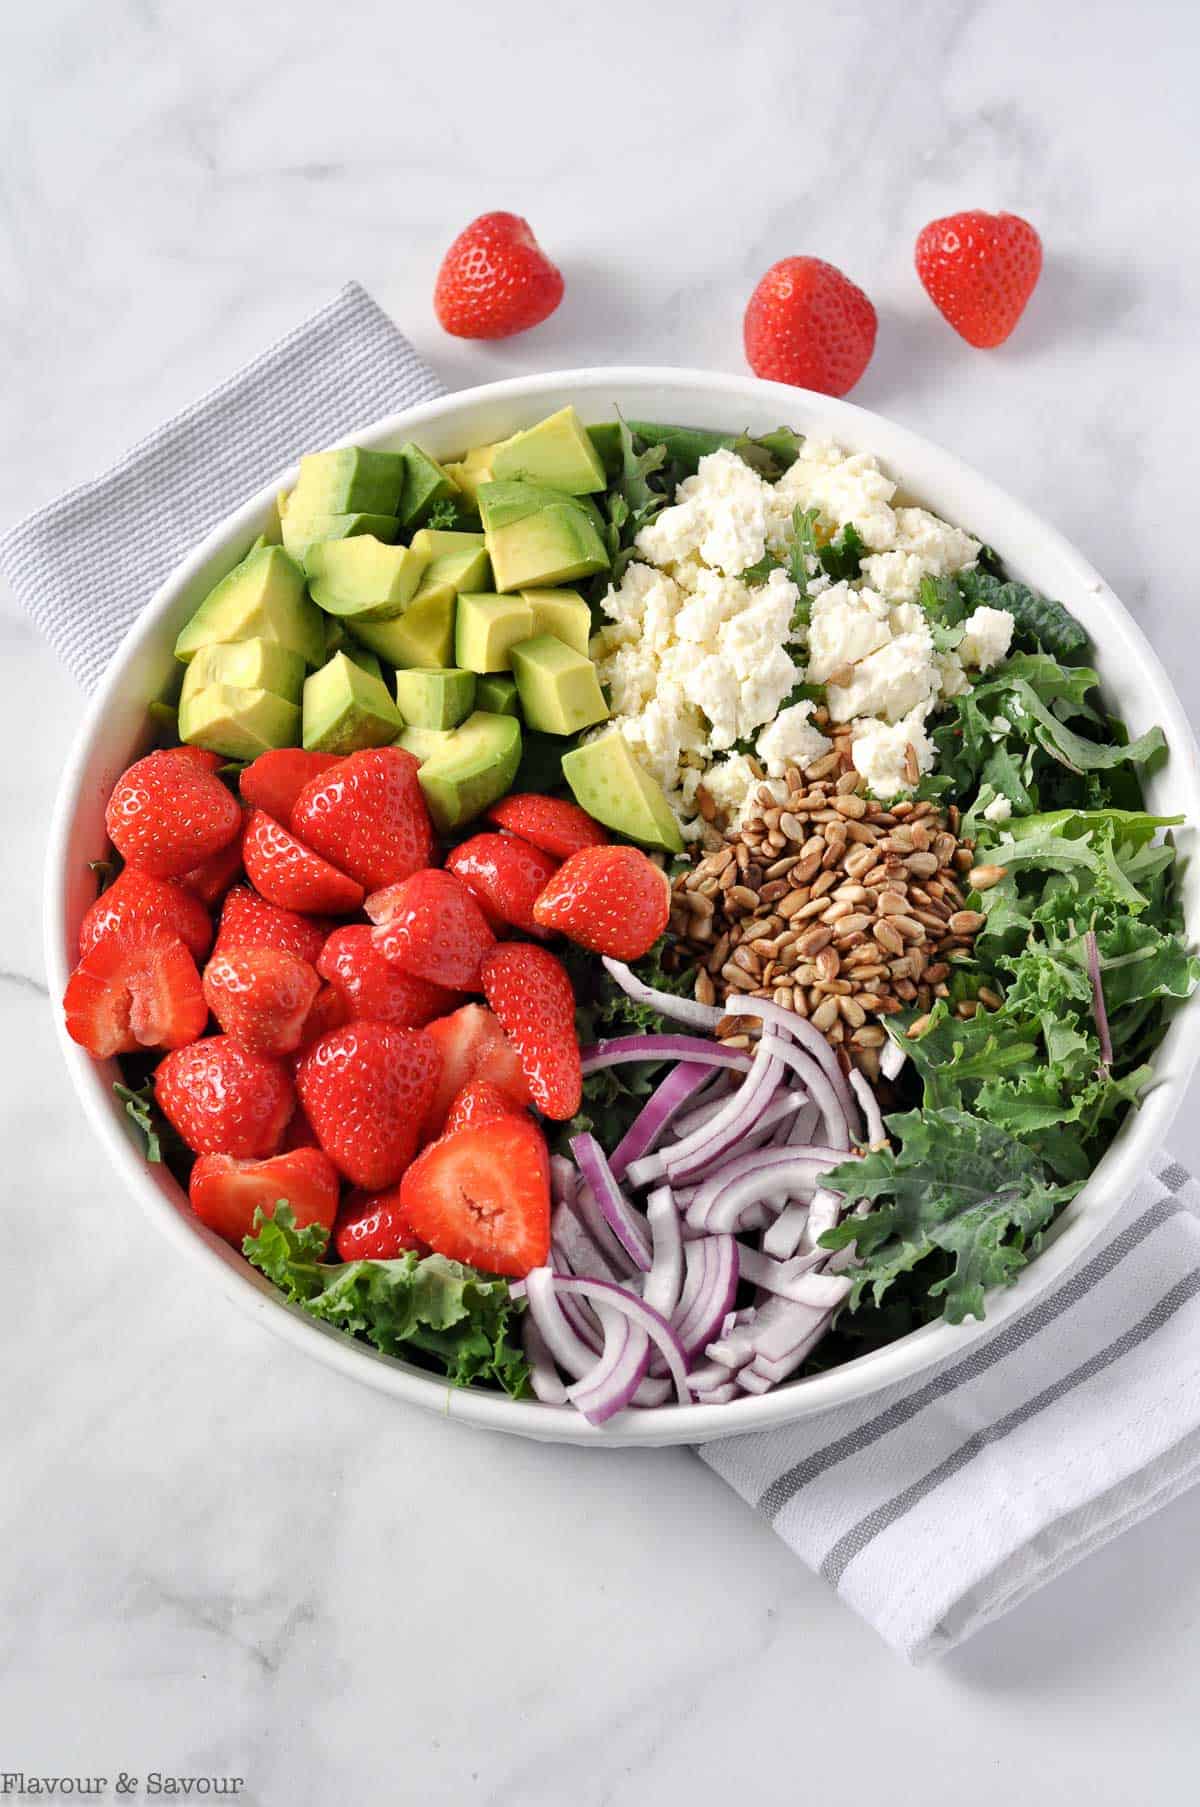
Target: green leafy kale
842	558
160	1141
770	454
1039	618
435	1310
613	1097
443	514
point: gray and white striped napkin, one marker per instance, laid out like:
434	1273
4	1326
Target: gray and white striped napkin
931	1507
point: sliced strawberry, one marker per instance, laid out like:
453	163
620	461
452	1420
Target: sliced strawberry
226	1193
135	988
479	1102
168	813
367	814
225	1099
482	1196
366	1089
328	1012
473	1047
612	900
372	987
261	997
248	920
551	823
288	873
373	1226
211	879
506	876
431	926
531	994
134	900
274	780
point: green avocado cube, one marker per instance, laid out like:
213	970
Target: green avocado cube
605	436
302	529
236	722
450	573
474	768
609	783
425	482
423	635
496	694
553	544
263	598
423	743
556	452
346	709
446	542
470	472
562	613
349	481
558	687
363	577
247	665
487	629
435	697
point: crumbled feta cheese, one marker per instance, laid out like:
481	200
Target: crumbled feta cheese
791	739
998	810
720	513
846	625
730	783
987	638
924	546
842	487
892	682
880	752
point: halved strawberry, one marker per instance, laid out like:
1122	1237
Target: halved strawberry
225	1193
506	876
135	988
479	1102
482	1196
225	1099
551	823
288	873
432	926
169	812
372	987
531	994
248	920
612	900
473	1046
373	1226
261	996
134	900
366	1089
274	780
367	814
210	880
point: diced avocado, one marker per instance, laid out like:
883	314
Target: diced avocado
562	613
365	660
610	784
247	665
301	530
605	436
557	452
443	542
435	698
337	640
496	694
423	743
471	471
363	577
423	635
263	598
550	542
453	572
238	723
500	504
558	687
475	767
165	722
349	481
425	482
488	627
345	709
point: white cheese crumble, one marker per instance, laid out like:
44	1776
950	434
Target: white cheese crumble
792	739
843	487
987	638
880	753
998	810
720	513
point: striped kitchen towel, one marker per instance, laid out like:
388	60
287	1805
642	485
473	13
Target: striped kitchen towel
931	1507
938	1504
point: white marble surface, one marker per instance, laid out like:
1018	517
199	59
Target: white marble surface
219	1559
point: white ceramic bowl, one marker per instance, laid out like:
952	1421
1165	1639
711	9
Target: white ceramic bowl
115	732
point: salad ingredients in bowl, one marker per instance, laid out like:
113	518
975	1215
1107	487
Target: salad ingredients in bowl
631	915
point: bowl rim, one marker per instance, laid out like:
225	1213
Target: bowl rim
933	1344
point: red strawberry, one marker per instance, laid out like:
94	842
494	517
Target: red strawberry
979	269
809	325
136	988
225	1192
225	1099
208	762
551	823
273	781
329	1011
431	926
210	880
366	1089
299	1133
610	899
368	815
483	1196
248	920
372	1226
291	875
531	994
134	900
261	997
372	987
473	1047
505	875
168	812
479	1102
495	280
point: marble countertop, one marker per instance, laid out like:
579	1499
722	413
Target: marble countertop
222	1560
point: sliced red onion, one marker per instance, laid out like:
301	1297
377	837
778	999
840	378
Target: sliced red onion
652	1391
824	1212
626	1224
739	1346
576	1250
786	1279
766	1176
721	1395
740	1115
598	1229
571	1353
892	1057
782	1238
543	1376
782	1345
876	1133
799	1030
705	1112
679	1010
624	1048
665	1280
657	1115
836	1119
752	1380
602	1292
1098	1008
715	1260
611	1383
708	1377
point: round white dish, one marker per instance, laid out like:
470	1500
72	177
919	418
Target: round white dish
115	731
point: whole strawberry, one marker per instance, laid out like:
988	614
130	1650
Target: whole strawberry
367	816
809	325
261	996
135	900
432	927
979	270
531	994
373	988
506	876
366	1089
169	812
495	280
225	1099
612	900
